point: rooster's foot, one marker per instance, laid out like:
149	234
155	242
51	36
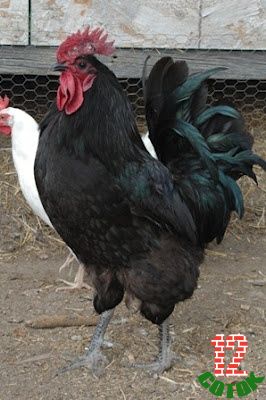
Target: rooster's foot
94	360
166	357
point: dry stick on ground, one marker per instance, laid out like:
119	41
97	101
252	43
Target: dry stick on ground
215	253
62	321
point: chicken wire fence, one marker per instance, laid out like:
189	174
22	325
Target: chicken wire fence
34	93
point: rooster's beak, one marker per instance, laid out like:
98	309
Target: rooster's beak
59	67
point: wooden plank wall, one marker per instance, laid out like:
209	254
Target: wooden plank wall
198	24
136	24
127	63
14	22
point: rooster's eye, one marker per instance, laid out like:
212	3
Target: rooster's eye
82	64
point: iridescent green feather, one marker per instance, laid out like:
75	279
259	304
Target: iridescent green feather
227	111
186	90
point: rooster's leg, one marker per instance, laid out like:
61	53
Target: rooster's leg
165	357
78	281
93	357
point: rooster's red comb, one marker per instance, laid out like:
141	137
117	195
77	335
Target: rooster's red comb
4	102
90	41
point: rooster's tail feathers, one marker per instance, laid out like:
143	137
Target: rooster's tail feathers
206	148
177	114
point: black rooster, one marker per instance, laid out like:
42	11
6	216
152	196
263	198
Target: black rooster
139	225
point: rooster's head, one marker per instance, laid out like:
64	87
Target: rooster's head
74	58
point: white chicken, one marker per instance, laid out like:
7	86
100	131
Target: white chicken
24	131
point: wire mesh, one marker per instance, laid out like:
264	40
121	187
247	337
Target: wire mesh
35	93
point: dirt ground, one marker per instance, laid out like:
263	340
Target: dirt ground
230	299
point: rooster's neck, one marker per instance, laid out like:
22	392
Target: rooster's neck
104	125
